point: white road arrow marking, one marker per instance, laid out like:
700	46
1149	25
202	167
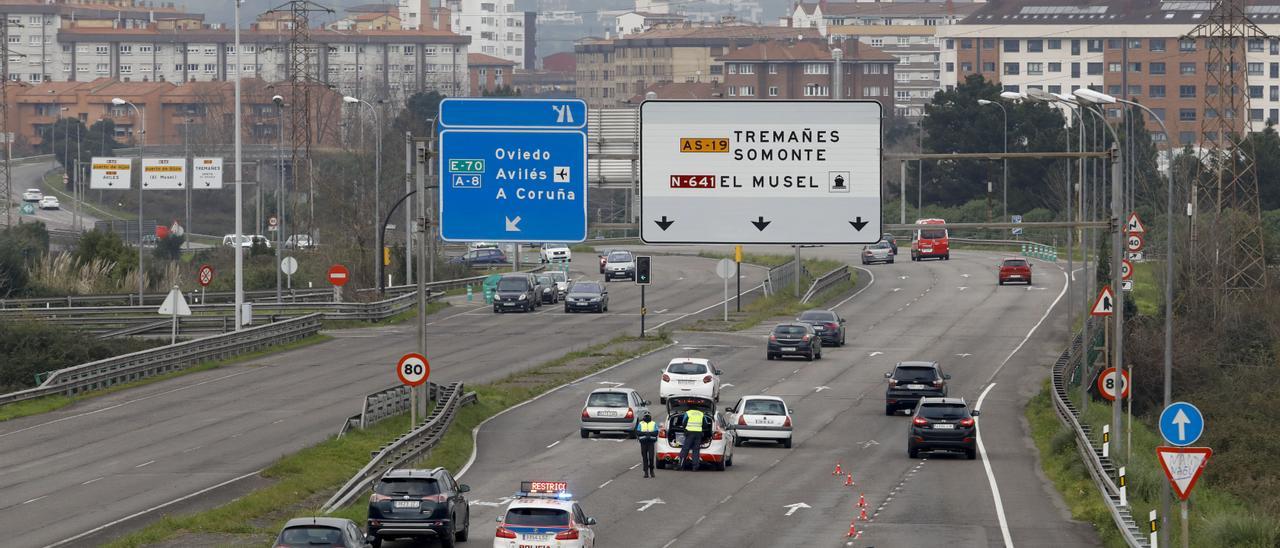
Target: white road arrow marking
791	508
963	287
615	384
817	389
964	275
903	277
874	354
897	289
1037	288
1182	420
964	355
726	385
645	504
869	443
511	224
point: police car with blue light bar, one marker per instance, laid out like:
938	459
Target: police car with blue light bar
544	515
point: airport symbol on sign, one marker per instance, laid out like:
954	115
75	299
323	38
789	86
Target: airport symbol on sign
1183	466
1181	424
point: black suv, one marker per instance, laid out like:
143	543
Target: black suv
910	381
517	291
418	503
942	424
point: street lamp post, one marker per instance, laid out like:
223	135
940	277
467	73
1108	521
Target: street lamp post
1005	199
279	102
142	142
239	295
377	184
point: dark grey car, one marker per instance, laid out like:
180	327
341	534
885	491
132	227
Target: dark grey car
587	297
517	291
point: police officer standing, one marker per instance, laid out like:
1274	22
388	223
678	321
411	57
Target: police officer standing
695	423
647	433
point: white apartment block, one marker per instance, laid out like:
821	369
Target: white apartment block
495	28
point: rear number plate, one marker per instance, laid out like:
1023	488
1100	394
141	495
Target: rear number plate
686	382
606	413
537	537
789	349
944	426
915	387
927	249
406	504
818	328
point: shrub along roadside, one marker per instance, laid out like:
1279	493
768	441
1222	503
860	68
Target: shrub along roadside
303	481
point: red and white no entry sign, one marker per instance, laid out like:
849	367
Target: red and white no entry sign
1107	383
338	275
413	369
205	275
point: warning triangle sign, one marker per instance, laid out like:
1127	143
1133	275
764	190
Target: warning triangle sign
1183	466
1105	304
1134	224
174	304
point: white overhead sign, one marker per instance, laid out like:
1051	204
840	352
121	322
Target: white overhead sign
110	173
777	172
164	173
206	173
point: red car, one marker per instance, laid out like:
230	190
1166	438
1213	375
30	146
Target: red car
1015	269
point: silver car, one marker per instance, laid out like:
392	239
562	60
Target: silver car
880	252
562	282
619	264
612	410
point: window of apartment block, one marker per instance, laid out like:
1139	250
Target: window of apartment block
877	42
867	91
1155	91
1275	46
1075	70
966	43
773	69
1113	89
1255	69
1273	115
1186	44
1094	46
1011	46
817	68
1210	113
1035	46
1055	43
126	69
1275	70
872	68
950	43
409	49
82	68
988	43
746	91
951	67
1094	69
210	51
1187	114
1274	92
82	49
1186	92
102	68
1186	138
1255	92
733	91
733	68
1035	68
1135	90
1135	67
1013	89
1114	43
126	49
746	68
1055	89
966	67
1255	45
1155	68
1210	90
988	66
1156	44
1159	113
145	48
715	70
1075	47
18	39
100	50
1186	68
773	91
1113	67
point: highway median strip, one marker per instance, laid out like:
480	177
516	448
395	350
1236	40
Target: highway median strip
302	481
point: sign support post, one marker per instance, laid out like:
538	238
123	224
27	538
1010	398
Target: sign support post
737	258
797	293
424	148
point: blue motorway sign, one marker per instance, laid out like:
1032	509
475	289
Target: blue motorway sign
513	113
513	186
1181	424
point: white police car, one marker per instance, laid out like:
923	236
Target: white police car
544	515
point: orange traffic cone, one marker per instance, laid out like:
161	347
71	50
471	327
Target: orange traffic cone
853	529
848	480
863	514
862	501
836	472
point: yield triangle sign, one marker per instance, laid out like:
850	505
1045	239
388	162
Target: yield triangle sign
174	304
1105	304
1183	465
1134	224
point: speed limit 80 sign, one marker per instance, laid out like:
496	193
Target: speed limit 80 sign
413	369
1107	381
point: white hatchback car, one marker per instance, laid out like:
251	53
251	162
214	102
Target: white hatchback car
32	195
763	418
717	445
50	202
689	377
555	253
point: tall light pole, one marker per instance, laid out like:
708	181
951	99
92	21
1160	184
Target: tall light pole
377	186
142	142
1005	161
239	298
279	102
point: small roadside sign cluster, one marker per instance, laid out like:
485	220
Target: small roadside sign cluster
1182	424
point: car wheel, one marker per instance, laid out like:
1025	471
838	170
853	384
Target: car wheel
786	443
376	542
720	466
737	442
890	261
566	310
447	539
842	339
661	464
631	433
971	454
461	536
889	411
946	257
1028	281
768	357
913	452
662	401
728	461
809	357
819	354
1001	282
584	433
606	308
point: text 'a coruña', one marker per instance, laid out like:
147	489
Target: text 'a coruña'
522	193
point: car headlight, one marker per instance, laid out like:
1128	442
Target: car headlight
523	296
595	299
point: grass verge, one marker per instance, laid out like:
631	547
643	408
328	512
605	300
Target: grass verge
1217	517
53	403
411	313
302	481
781	303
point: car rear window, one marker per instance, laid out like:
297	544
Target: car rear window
944	411
1015	262
619	257
311	535
933	234
413	487
512	284
686	368
915	374
818	315
764	407
537	517
607	399
789	330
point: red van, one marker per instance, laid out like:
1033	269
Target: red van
930	242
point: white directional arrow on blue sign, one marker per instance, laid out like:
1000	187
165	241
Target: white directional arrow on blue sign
1181	424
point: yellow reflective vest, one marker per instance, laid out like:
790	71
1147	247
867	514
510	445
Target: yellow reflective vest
693	421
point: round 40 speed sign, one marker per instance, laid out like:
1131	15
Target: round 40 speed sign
413	369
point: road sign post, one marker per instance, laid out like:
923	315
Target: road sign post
174	305
338	276
289	266
1111	382
413	370
1183	466
513	170
737	275
725	269
764	172
1181	424
204	277
1016	219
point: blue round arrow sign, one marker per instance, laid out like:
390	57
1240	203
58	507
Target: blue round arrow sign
1181	424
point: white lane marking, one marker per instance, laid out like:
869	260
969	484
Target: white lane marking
869	443
553	445
475	432
237	434
796	371
963	287
93	480
701	310
726	499
753	478
604	484
817	389
670	542
726	385
99	528
634	466
144	464
874	354
122	404
903	277
645	504
897	289
277	422
662	311
858	292
192	449
964	275
991	477
1047	310
704	516
964	355
35	499
615	384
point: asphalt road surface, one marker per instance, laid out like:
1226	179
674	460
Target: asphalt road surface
94	464
26	176
997	343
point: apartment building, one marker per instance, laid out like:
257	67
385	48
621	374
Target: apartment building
496	28
1131	49
806	70
634	22
366	53
488	73
611	71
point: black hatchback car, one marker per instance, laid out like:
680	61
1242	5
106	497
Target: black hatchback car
517	291
410	503
587	296
942	424
794	339
828	325
910	381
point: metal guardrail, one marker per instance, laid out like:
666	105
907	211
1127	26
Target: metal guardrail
131	299
826	280
443	285
406	449
780	276
157	361
1100	468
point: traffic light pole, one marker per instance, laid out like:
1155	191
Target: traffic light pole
642	312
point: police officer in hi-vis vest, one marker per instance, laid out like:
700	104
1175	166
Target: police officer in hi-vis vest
695	424
647	433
